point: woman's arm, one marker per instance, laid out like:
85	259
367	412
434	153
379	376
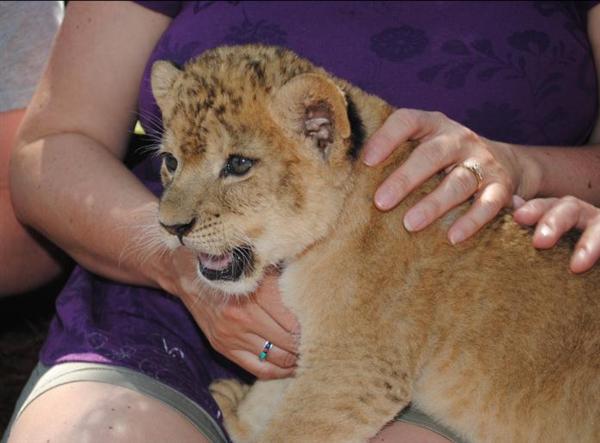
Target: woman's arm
27	261
67	178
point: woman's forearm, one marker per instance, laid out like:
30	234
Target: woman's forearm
74	191
27	261
557	171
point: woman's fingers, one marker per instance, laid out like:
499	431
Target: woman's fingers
425	161
559	219
400	126
277	324
529	212
272	353
276	363
264	326
554	217
268	298
587	250
456	187
240	324
265	369
517	202
239	327
485	207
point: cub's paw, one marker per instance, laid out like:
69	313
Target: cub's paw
228	393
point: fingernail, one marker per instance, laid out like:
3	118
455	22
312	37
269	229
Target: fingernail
579	259
580	255
545	231
457	237
517	202
371	157
384	198
414	220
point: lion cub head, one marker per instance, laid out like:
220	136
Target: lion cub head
256	160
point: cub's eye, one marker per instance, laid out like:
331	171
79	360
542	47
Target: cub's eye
170	162
237	165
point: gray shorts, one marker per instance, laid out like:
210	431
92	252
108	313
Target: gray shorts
43	379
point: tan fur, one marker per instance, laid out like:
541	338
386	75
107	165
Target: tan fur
493	338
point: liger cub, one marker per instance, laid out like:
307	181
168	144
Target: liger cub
262	168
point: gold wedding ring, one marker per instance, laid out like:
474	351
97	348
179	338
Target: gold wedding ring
474	168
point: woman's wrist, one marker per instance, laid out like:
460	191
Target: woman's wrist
524	170
530	172
552	171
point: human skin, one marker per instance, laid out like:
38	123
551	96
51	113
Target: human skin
26	260
554	217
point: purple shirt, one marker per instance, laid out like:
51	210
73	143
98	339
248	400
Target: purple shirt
513	71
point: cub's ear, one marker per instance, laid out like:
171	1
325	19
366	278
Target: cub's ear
312	105
163	76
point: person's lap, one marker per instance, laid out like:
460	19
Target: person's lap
117	414
92	402
99	412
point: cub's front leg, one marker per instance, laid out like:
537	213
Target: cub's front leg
344	402
247	409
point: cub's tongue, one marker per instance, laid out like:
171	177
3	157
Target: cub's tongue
215	262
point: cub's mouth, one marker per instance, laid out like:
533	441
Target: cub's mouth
229	266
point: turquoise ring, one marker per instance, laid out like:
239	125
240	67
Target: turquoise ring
265	351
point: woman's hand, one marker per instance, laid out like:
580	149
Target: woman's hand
554	217
238	327
476	166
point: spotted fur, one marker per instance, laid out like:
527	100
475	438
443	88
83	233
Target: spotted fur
496	340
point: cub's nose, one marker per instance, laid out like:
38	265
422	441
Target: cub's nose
180	229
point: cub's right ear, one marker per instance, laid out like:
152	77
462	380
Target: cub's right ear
163	77
313	106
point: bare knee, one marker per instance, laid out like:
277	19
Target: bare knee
99	412
400	432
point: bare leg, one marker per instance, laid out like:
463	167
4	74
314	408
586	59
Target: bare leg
89	412
400	432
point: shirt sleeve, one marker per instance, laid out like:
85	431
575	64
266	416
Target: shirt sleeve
27	30
170	9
